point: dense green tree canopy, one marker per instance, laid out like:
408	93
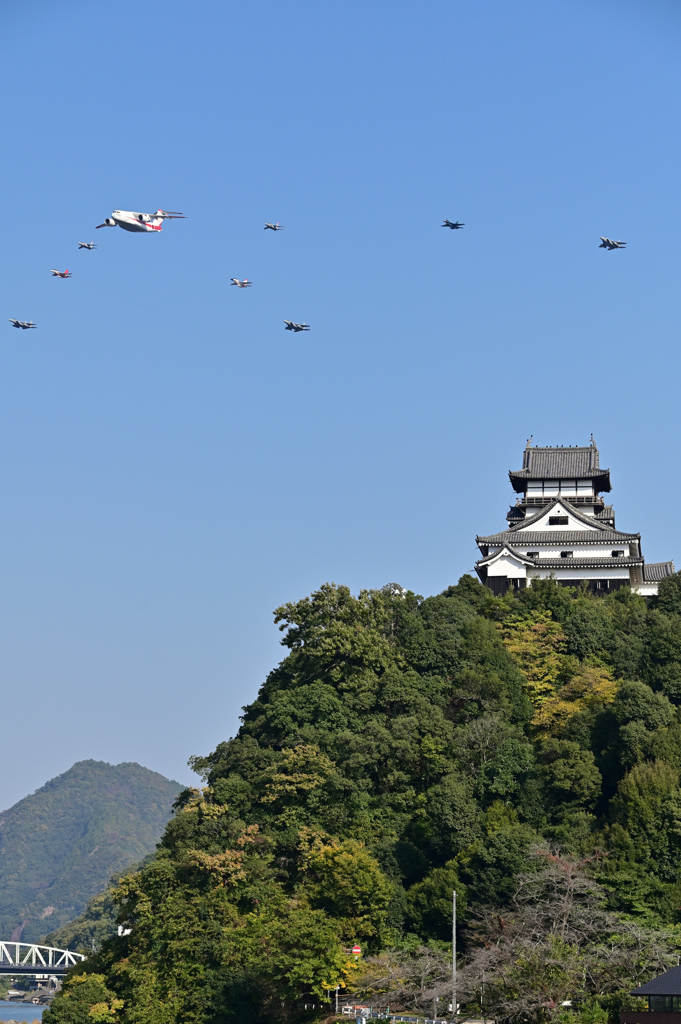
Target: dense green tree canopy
402	748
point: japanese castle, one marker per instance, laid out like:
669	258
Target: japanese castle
560	526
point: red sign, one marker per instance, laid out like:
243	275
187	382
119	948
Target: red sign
356	950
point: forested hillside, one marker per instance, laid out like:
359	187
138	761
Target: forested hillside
525	751
60	846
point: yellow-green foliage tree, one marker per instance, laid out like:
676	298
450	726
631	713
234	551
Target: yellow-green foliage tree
537	645
347	882
85	999
592	687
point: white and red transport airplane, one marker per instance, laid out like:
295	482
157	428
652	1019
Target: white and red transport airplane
130	221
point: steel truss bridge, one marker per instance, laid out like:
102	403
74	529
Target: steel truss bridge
26	958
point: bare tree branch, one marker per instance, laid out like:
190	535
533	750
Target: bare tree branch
555	941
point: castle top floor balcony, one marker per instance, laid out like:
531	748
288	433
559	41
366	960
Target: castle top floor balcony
574	499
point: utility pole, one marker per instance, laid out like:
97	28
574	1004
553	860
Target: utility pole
454	954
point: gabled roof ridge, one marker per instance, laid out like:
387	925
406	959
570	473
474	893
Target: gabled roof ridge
512	551
560	448
588	520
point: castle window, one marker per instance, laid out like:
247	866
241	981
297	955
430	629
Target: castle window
558	520
617	554
566	554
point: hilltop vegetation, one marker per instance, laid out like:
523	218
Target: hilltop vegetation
60	846
525	751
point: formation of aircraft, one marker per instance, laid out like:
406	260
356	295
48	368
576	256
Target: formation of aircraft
130	221
607	243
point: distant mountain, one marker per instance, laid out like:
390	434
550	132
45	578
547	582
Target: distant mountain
61	845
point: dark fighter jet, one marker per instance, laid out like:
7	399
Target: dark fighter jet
454	225
291	326
607	243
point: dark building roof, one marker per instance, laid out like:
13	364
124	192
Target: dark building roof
527	538
606	514
586	563
560	464
653	572
667	984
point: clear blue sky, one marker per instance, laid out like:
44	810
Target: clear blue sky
173	465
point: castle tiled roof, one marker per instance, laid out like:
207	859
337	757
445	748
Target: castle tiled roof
581	562
585	563
560	464
655	571
527	538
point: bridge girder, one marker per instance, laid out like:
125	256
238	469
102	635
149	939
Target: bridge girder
29	958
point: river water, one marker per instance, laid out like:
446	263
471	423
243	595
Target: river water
20	1011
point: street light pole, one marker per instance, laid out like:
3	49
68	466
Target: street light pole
454	954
